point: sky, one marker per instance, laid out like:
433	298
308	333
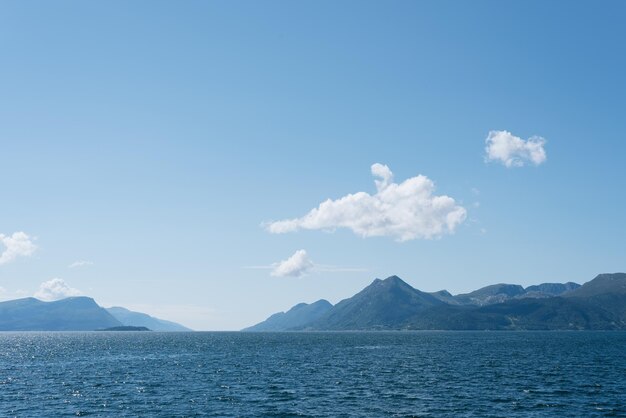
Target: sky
214	162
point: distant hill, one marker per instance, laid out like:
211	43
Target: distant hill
296	317
71	314
392	304
138	319
75	314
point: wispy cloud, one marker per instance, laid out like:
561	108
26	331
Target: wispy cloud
299	264
513	151
17	245
55	289
80	263
405	211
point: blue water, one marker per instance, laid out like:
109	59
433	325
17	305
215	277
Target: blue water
313	374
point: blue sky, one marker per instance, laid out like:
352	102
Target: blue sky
155	140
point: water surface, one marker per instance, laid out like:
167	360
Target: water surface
313	374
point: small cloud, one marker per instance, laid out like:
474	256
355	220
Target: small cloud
55	289
295	266
513	151
300	264
17	245
475	191
80	263
405	211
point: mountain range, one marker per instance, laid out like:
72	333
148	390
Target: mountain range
74	314
392	304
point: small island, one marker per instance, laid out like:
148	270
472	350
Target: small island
125	328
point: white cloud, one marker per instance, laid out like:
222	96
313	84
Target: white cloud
295	266
300	263
16	245
513	151
55	289
405	211
80	263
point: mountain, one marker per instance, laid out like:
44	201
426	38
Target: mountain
602	284
138	319
384	304
445	296
71	314
496	293
392	304
499	293
607	291
296	317
550	289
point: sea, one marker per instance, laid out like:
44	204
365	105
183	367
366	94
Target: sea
326	374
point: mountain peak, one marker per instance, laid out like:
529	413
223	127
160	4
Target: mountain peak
394	281
322	302
384	304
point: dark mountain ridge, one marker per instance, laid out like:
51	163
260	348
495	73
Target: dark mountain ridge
392	304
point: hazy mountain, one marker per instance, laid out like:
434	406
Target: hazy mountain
551	289
71	314
445	296
138	319
384	304
495	293
296	317
393	304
